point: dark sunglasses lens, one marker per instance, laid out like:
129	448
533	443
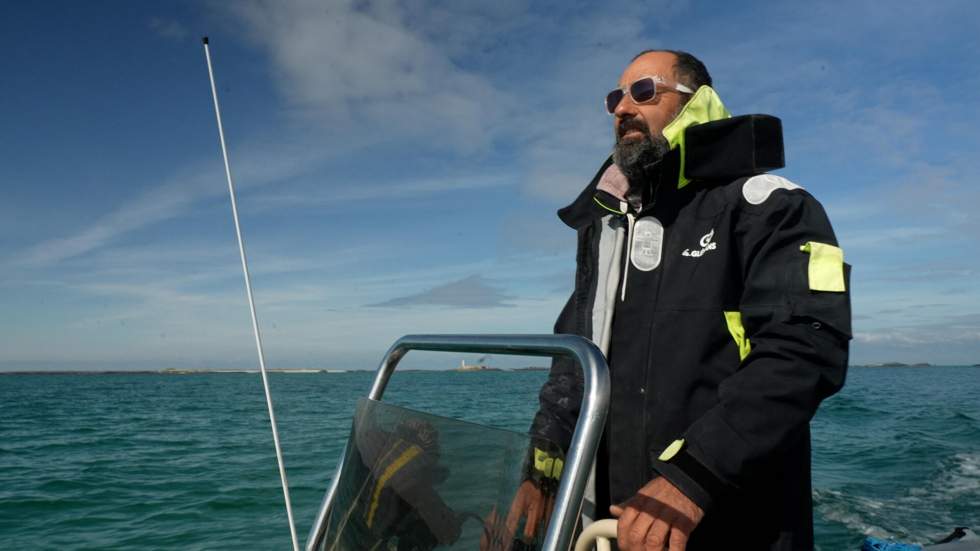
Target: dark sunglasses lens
613	99
643	90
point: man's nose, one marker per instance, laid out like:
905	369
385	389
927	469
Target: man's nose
625	109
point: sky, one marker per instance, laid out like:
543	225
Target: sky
399	164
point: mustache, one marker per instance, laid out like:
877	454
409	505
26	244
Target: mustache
632	124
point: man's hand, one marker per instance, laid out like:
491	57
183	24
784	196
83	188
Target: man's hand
530	503
657	515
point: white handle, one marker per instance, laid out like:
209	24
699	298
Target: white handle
599	532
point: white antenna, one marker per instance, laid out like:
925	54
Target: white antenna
251	302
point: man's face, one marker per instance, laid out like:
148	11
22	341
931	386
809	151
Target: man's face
639	128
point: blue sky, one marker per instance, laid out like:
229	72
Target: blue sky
399	164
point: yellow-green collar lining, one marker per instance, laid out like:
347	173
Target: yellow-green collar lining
610	209
704	106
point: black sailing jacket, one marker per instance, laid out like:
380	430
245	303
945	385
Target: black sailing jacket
730	322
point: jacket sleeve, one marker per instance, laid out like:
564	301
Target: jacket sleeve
795	312
560	400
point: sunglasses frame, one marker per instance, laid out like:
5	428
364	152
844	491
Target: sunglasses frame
656	79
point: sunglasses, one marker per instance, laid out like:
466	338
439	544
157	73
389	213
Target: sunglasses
643	90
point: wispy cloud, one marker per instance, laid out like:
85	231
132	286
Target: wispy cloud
471	292
374	192
168	28
371	65
167	200
956	329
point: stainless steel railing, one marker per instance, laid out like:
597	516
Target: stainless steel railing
585	439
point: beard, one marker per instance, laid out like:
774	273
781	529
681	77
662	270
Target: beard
634	156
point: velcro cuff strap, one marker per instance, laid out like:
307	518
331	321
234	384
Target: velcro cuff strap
692	478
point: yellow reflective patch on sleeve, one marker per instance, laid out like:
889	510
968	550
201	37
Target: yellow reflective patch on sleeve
550	467
826	270
672	450
735	327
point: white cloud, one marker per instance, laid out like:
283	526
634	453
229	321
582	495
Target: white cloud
955	339
168	28
456	77
359	66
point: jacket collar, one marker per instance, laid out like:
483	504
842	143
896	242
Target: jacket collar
714	152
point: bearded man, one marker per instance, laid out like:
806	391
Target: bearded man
719	296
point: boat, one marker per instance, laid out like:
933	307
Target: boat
480	365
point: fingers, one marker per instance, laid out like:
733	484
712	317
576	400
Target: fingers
678	539
626	517
495	536
644	525
656	536
489	531
549	506
658	514
534	514
636	532
517	510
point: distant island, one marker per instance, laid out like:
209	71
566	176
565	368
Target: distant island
168	371
474	368
895	364
172	371
463	368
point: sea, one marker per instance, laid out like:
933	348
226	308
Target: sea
168	461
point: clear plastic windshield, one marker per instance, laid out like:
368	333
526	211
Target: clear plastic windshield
413	481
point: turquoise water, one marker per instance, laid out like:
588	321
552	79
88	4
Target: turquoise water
186	461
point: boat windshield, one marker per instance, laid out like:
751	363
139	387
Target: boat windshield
413	481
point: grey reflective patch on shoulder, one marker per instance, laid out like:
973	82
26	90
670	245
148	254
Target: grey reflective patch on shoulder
757	189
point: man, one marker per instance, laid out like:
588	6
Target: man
719	297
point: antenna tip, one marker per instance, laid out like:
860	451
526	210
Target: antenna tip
204	39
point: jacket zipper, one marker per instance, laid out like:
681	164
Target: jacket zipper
630	219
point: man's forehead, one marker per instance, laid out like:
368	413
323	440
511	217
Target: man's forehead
651	63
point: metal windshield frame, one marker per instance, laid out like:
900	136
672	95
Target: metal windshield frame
585	439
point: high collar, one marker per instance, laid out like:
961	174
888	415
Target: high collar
716	152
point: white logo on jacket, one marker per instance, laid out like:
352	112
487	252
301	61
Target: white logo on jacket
706	245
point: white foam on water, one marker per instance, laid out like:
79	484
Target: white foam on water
857	513
963	479
956	481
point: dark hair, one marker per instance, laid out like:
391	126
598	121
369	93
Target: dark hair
688	70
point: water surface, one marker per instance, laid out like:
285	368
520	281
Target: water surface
186	461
